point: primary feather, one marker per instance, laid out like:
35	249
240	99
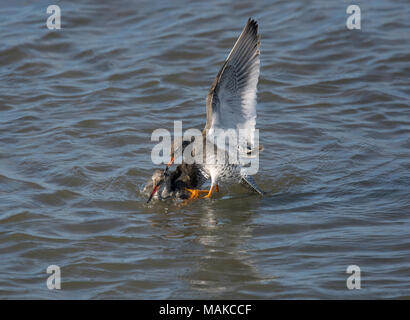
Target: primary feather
231	102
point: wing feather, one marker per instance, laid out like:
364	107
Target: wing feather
231	102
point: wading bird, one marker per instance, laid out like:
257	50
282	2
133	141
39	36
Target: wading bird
230	105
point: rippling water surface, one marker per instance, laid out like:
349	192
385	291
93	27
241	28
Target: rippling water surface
77	109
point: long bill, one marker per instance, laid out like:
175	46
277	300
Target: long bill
154	191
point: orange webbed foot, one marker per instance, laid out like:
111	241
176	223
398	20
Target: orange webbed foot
194	193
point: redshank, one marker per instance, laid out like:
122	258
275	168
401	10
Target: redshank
230	105
176	184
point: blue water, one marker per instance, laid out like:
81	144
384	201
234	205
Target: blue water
77	109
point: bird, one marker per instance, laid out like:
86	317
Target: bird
231	104
230	107
175	184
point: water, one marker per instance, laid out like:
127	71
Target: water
77	109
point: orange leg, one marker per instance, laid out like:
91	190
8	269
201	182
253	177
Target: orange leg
171	161
213	189
195	193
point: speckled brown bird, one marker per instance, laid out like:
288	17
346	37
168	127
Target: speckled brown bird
176	184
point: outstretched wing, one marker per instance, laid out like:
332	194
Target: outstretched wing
231	102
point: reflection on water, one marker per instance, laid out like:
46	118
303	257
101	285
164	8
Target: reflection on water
217	250
78	107
225	261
